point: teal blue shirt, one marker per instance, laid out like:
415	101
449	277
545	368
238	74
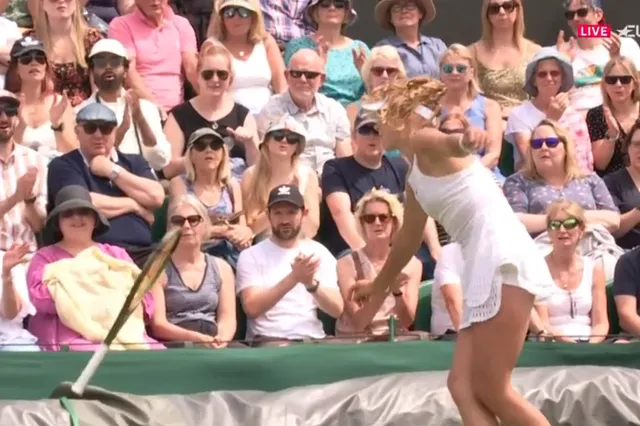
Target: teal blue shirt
343	82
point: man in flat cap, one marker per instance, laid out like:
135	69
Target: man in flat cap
122	186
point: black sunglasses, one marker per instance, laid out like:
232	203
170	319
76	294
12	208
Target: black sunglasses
338	4
368	130
280	135
231	11
82	211
571	14
371	218
108	60
105	128
508	6
570	223
202	144
309	75
378	71
623	79
29	57
455	131
549	142
193	220
9	110
207	75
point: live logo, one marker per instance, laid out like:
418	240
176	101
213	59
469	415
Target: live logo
594	31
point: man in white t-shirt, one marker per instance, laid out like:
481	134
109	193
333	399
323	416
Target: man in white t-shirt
590	55
283	280
9	33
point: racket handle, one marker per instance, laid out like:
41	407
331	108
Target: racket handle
90	370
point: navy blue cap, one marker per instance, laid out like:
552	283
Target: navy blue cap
96	112
593	3
26	45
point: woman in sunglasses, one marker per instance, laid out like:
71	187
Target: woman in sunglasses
503	52
343	55
64	315
551	172
278	165
195	299
503	270
378	217
67	39
458	73
548	80
208	178
381	66
258	68
214	107
610	122
576	310
46	118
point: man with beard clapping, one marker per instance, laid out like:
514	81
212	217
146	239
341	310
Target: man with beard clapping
139	120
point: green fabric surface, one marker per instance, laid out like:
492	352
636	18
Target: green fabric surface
185	371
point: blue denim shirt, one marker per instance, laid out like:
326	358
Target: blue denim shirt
423	61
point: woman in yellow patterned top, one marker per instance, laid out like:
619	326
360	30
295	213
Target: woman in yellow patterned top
502	53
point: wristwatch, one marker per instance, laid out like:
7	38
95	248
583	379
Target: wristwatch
314	286
57	128
397	293
115	172
30	200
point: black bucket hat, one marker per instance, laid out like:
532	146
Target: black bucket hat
70	198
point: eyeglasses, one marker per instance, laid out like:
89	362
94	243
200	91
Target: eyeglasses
193	220
368	130
405	7
202	144
545	74
309	75
105	128
207	75
111	61
455	131
29	57
508	6
9	110
614	79
231	11
338	4
371	218
378	71
291	138
459	68
567	224
549	142
571	14
83	211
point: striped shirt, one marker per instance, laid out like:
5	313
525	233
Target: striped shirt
285	19
13	227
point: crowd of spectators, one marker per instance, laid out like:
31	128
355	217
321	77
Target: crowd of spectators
239	123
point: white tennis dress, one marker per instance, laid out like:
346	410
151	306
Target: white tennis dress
496	246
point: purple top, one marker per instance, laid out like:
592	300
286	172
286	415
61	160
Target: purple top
46	324
533	197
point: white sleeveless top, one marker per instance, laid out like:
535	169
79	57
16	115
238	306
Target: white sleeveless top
473	210
41	139
560	306
252	80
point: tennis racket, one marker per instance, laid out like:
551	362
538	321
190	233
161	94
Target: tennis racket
152	269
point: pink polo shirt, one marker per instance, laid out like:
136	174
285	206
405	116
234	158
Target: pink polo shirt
157	51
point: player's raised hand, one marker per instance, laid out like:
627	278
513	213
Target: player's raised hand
474	139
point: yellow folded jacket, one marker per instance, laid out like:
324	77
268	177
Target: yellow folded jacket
89	291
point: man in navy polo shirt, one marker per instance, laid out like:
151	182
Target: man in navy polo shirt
122	186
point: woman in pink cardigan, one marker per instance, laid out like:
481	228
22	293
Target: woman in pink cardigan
72	224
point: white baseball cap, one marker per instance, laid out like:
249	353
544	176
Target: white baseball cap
109	45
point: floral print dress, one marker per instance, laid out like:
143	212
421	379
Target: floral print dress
71	77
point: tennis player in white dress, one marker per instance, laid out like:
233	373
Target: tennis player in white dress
503	271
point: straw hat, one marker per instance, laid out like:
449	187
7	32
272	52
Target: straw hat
383	12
